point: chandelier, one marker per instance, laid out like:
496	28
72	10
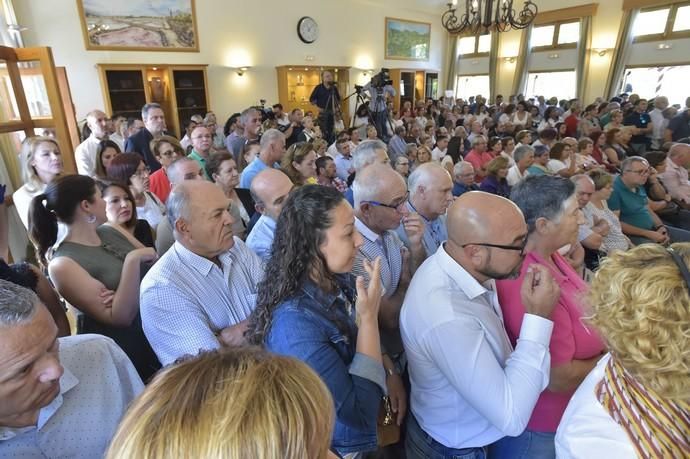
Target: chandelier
482	16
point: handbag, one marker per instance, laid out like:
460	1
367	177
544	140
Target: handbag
387	431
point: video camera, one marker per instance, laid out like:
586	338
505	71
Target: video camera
381	79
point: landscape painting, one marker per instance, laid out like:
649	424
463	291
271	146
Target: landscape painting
142	25
407	40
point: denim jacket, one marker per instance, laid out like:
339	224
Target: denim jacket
303	327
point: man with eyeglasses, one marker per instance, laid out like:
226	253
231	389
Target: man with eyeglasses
202	145
469	387
630	204
380	197
463	178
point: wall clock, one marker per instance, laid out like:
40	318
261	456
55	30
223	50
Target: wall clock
307	29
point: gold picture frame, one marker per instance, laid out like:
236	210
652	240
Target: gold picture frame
407	40
170	25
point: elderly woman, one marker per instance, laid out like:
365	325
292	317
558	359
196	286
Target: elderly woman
562	160
495	181
598	209
222	169
550	208
541	159
524	157
639	304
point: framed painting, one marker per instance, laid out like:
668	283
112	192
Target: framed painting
163	25
407	40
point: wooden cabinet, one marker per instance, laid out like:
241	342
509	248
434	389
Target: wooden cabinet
296	83
181	90
413	85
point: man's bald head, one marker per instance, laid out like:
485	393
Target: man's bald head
375	183
679	151
269	189
477	216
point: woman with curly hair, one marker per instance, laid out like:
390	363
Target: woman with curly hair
307	308
636	401
299	163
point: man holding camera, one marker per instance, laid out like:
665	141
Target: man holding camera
380	88
327	98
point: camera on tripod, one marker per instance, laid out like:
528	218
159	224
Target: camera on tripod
381	79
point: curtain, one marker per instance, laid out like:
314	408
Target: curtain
493	65
583	56
521	65
452	63
620	54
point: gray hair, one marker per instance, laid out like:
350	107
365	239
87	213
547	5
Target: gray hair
269	137
678	149
244	117
576	179
147	108
365	153
459	166
367	186
522	151
173	172
177	205
627	162
17	304
423	175
542	196
476	139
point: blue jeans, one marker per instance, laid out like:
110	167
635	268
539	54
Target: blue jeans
421	445
528	445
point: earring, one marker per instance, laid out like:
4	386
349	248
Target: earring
91	219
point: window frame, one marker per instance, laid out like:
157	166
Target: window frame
562	70
476	52
471	75
668	33
556	31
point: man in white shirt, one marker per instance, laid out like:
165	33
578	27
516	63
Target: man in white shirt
659	122
58	397
85	153
199	295
675	177
440	149
470	388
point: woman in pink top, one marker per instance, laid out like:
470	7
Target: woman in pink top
550	209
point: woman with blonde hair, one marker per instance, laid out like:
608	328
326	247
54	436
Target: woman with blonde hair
299	163
229	403
636	401
41	162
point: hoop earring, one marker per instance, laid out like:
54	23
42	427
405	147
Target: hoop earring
91	219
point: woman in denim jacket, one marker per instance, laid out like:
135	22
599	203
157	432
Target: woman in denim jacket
308	308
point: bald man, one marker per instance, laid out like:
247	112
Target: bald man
200	293
270	189
85	153
469	387
431	192
675	177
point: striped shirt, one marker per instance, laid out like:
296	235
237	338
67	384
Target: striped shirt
387	246
186	299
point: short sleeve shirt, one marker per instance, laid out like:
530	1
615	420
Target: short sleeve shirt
632	205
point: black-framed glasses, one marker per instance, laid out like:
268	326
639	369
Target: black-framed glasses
390	206
520	248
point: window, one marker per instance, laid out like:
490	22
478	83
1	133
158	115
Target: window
650	82
559	35
475	46
551	84
471	86
662	23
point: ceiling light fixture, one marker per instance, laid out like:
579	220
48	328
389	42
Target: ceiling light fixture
483	16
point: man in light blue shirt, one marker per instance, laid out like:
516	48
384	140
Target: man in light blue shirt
269	189
200	293
343	160
469	387
431	192
58	397
272	151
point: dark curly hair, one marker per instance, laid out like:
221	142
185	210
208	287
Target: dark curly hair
300	230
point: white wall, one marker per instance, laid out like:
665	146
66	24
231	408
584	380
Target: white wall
261	34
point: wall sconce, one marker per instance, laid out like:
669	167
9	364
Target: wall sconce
240	70
664	46
600	51
366	72
509	60
553	56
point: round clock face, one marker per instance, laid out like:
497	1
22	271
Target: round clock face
307	29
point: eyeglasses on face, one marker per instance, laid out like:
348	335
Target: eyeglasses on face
394	206
639	171
520	248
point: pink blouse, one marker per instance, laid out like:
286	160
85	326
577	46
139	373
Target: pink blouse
570	340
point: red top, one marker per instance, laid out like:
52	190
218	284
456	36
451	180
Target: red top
159	184
478	160
571	123
570	340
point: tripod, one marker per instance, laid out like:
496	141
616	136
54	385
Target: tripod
327	116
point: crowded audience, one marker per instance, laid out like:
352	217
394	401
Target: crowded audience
422	292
